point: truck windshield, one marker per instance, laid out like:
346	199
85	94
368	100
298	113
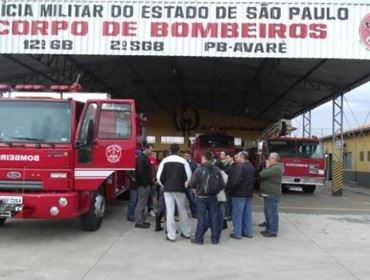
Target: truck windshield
216	141
35	121
303	149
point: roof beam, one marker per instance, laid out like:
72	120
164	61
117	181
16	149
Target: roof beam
288	90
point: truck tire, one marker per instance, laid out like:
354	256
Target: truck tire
309	188
2	221
92	220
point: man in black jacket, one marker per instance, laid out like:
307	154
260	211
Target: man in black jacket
240	188
173	174
207	204
144	179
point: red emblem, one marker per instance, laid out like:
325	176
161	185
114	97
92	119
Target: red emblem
113	153
364	31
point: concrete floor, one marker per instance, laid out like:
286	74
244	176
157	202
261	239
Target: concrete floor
321	237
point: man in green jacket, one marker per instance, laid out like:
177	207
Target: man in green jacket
270	187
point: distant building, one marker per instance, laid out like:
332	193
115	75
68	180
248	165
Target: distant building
356	155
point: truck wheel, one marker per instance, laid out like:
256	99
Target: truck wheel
2	221
91	221
309	188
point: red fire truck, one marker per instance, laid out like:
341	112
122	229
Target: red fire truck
303	158
63	154
216	142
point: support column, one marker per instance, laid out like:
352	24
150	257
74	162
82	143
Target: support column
337	148
306	132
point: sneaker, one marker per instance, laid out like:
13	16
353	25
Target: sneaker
269	234
146	223
264	224
151	213
232	235
141	225
131	219
184	236
247	235
264	232
194	241
170	240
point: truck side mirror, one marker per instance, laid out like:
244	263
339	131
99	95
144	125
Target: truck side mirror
90	132
260	147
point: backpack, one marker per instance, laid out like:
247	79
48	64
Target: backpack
210	181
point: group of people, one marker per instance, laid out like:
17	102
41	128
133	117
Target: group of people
218	190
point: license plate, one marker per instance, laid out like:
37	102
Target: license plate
11	199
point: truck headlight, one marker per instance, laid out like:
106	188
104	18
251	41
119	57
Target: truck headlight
63	201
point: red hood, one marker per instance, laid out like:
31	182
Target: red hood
26	164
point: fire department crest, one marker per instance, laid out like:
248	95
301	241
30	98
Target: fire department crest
364	31
113	153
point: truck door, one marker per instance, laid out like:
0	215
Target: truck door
105	142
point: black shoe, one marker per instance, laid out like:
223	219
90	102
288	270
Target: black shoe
158	228
234	236
184	236
264	224
131	219
170	240
247	235
264	232
141	225
146	223
224	225
269	234
215	242
194	241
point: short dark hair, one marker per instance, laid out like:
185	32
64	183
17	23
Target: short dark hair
220	165
208	155
174	148
188	153
147	146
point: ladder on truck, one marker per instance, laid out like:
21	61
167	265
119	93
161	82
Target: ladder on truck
281	128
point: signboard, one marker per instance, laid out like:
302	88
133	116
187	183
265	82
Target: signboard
295	29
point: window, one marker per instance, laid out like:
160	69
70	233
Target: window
115	121
237	141
35	121
150	139
362	156
347	160
172	140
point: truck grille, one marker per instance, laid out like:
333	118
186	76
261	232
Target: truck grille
20	185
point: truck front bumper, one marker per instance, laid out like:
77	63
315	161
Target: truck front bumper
46	205
300	181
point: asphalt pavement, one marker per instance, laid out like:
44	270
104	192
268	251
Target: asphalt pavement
321	237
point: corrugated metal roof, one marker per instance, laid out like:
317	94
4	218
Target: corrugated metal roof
360	129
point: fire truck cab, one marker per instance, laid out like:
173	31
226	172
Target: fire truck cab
63	154
303	158
215	142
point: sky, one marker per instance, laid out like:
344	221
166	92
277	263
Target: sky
356	113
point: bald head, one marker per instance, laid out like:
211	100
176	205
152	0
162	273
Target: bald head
274	158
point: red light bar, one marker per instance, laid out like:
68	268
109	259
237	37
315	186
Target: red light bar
74	87
5	87
30	87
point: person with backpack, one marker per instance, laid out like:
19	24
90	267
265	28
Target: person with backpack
240	188
208	181
173	174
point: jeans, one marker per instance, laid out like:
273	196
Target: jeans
221	215
173	199
271	214
132	204
228	206
208	215
242	216
192	201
